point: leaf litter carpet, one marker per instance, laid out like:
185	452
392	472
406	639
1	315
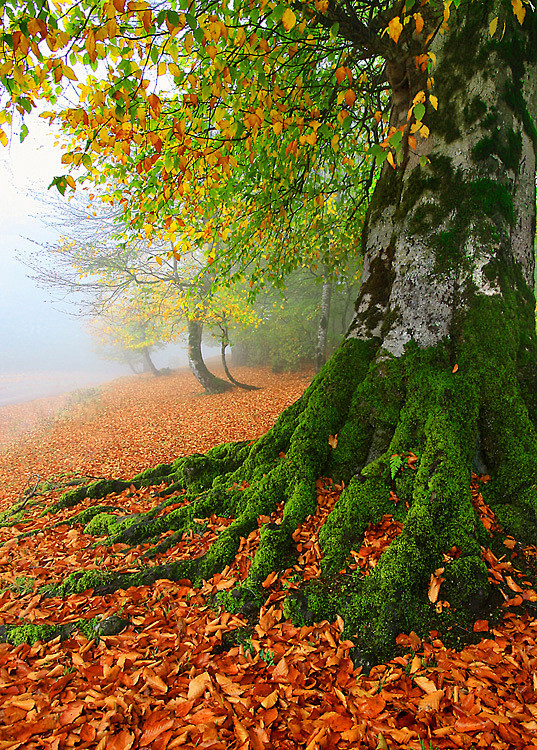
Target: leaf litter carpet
183	674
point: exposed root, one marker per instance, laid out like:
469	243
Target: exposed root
403	434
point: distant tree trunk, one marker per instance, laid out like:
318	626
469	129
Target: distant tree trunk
224	341
210	382
149	364
130	363
322	331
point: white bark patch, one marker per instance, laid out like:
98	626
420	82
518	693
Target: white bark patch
421	297
482	283
523	234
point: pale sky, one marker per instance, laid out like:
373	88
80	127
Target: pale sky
34	334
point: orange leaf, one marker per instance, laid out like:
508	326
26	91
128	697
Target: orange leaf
425	684
455	368
336	722
154	728
415	664
71	713
199	685
431	701
332	441
434	586
270	700
87	733
281	670
512	585
470	724
350	97
340	75
122	741
480	626
155	682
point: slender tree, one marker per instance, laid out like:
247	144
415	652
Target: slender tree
440	359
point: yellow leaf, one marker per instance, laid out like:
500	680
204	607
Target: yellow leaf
277	127
332	441
3	138
390	159
335	143
493	26
90	46
519	10
288	19
395	27
434	101
424	131
69	73
70	181
18	75
158	259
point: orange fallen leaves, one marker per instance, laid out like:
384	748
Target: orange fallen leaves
173	679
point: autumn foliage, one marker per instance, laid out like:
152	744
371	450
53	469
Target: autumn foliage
184	673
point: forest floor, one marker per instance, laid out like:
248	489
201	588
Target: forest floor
184	674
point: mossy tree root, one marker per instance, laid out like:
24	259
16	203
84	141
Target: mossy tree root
242	481
379	407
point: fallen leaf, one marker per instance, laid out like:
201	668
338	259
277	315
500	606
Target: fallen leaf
199	685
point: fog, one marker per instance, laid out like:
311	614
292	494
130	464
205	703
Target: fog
43	350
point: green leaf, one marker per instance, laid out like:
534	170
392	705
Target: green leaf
419	111
395	464
60	183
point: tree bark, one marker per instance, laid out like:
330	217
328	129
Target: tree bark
322	330
210	382
224	341
439	363
149	364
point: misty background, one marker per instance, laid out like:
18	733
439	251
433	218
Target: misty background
43	350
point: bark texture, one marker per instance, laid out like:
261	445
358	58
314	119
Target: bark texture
224	342
439	362
322	329
199	369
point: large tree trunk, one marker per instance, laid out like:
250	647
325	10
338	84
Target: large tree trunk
439	363
210	382
322	329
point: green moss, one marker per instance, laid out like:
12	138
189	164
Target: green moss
102	524
155	475
508	153
68	500
86	515
493	198
103	487
21	585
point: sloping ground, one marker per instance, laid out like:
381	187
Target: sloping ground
179	672
123	427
